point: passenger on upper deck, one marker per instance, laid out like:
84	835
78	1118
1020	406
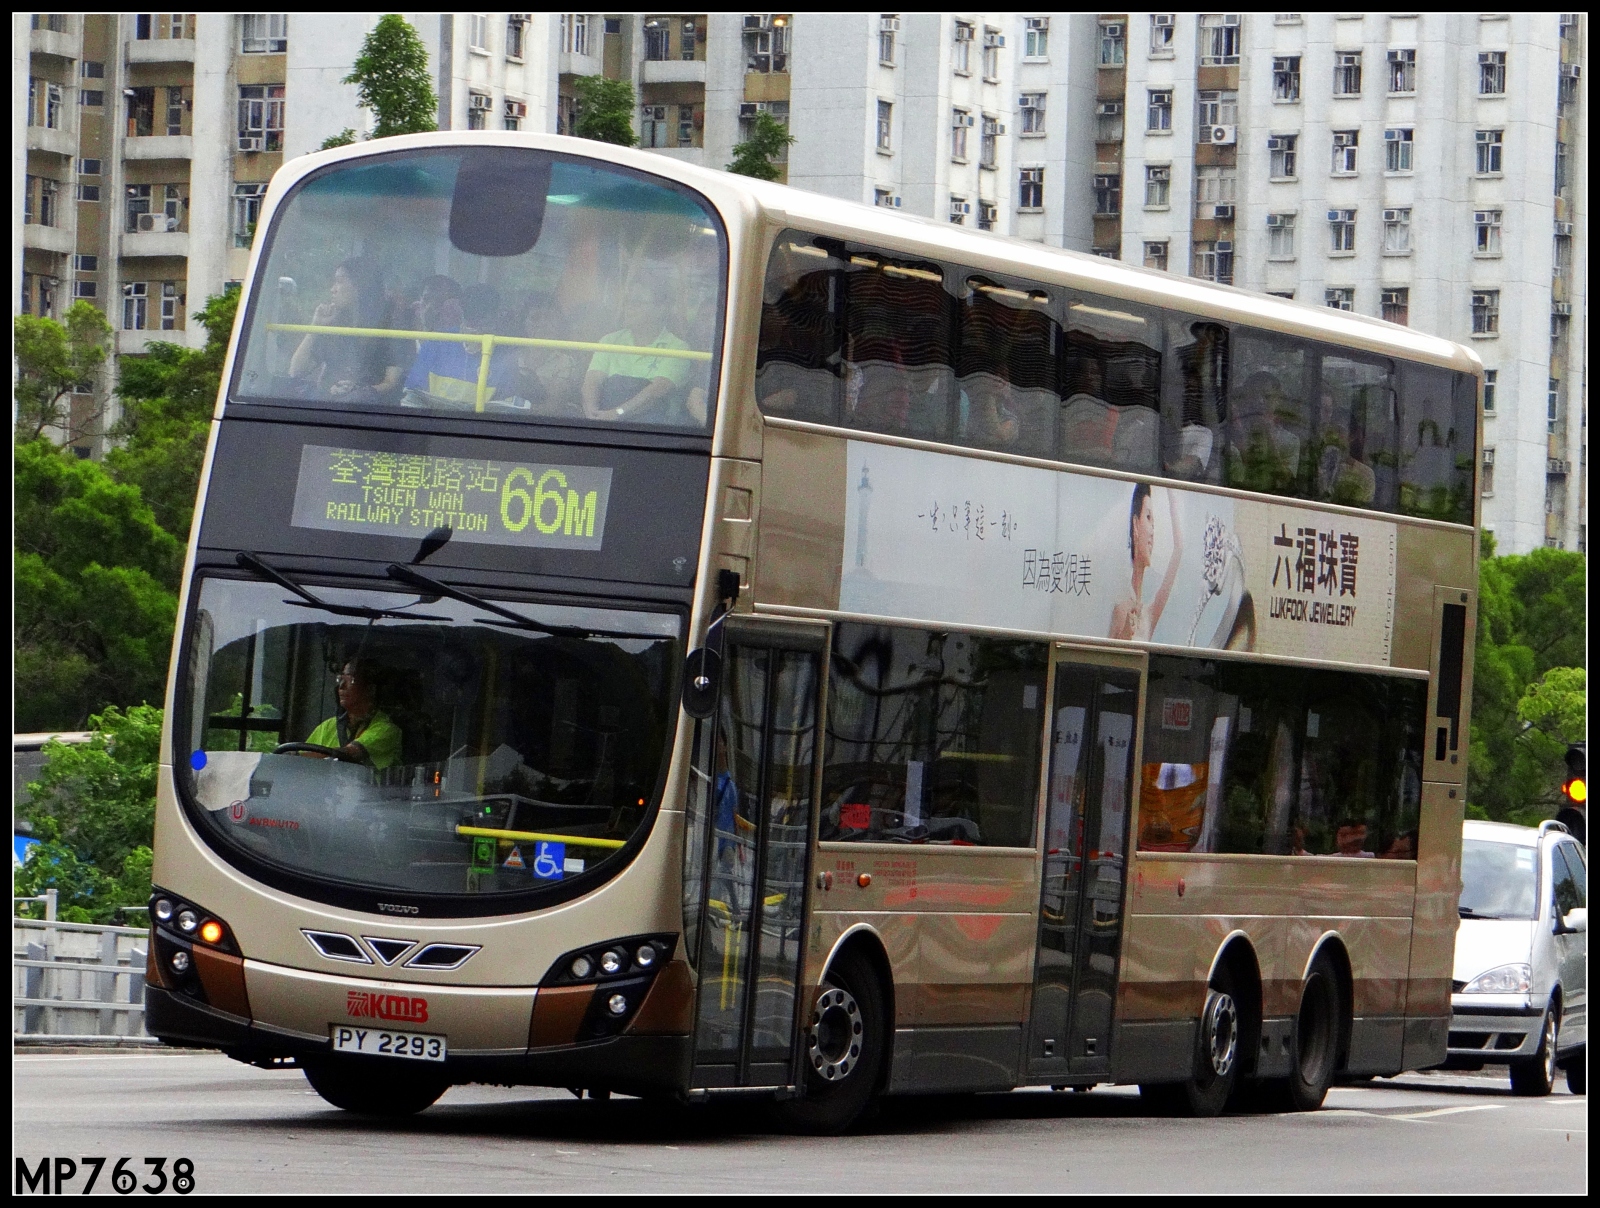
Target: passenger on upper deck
988	413
360	732
447	370
355	367
634	385
1263	454
1343	474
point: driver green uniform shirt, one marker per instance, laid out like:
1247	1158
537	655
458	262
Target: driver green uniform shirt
379	738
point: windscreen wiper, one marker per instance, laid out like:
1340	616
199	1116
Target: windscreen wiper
307	600
512	620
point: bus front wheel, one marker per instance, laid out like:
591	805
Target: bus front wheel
844	1046
371	1090
1216	1059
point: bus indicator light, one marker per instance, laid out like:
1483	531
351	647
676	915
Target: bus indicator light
211	931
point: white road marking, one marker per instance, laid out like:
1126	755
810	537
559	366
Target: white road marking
1447	1111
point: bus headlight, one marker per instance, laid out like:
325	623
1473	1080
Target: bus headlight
162	909
645	958
180	961
612	961
581	967
1507	979
617	1004
187	920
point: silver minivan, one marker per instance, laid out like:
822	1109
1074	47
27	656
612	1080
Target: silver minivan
1520	994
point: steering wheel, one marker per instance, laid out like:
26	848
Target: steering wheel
311	748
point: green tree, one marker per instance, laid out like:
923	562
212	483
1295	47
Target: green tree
93	809
757	155
392	79
168	396
52	360
344	138
605	110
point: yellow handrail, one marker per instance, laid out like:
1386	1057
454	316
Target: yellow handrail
537	837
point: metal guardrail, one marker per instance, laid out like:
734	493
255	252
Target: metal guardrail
76	981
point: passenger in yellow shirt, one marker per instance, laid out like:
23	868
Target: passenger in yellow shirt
360	732
628	385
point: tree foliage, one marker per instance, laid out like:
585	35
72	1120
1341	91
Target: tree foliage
392	80
757	155
344	138
52	359
605	110
1528	694
93	810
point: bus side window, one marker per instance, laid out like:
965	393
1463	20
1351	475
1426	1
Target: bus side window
1006	362
1111	384
1268	436
797	365
898	371
1194	394
1435	454
1353	446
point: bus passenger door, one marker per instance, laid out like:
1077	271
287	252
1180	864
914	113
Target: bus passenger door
1093	724
753	872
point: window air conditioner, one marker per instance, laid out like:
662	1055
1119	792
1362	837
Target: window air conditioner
1335	216
895	201
1563	228
749	108
1222	212
757	20
1112	30
1561	308
250	142
993	41
963	33
889	25
961	207
1230	18
516	109
1162	20
147	223
966	119
1108	108
1221	136
1278	142
478	100
1000	128
1571	71
1224	245
1037	22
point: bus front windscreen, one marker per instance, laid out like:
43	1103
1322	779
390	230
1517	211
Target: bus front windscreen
378	741
492	282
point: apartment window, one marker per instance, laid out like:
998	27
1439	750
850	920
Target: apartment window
135	305
1347	73
1162	29
48	212
657	41
1281	151
1396	306
174	110
1563	255
1286	78
960	207
961	52
1213	261
1567	94
1486	480
515	27
141	111
1341	297
1397	231
885	126
1397	150
86	264
1491	382
1219	39
1031	107
171	305
1030	188
1552	404
1561	166
1485	312
1158	185
993	40
1491	73
1113	44
92	70
263	33
1107	196
47	294
988	215
686	39
478	31
1280	236
137	204
1158	110
766	50
53	94
654	129
88	193
515	113
1402	71
1036	37
1342	230
1108	121
1155	254
246	212
1344	151
56	23
988	141
1486	232
960	122
1218	108
685	125
261	117
1214	188
91	98
575	36
86	290
1489	144
888	27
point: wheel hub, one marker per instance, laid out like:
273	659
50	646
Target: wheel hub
833	1041
1221	1032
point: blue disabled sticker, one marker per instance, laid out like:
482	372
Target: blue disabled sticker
550	863
197	760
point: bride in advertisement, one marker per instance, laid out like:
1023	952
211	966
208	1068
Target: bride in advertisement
1131	619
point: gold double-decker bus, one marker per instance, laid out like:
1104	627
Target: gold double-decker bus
651	631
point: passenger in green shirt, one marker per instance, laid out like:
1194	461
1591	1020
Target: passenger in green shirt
631	385
361	732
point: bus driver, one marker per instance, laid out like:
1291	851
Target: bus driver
360	732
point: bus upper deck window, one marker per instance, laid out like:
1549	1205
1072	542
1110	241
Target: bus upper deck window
1195	399
797	368
1007	368
1110	384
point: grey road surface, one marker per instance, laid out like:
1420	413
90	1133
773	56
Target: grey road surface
249	1130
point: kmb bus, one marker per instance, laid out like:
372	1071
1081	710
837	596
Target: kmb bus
651	631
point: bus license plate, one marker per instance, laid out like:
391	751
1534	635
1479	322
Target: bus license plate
417	1046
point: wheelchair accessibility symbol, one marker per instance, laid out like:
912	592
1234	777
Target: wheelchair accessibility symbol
549	863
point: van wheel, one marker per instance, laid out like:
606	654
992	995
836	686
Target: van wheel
372	1090
1535	1076
1216	1058
1316	1041
844	1046
1577	1071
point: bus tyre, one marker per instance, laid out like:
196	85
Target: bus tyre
842	1049
372	1090
1316	1039
1216	1058
1535	1076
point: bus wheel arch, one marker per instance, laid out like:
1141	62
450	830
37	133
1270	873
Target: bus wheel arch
1331	947
1237	955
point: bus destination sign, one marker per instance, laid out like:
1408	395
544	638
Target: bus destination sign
490	502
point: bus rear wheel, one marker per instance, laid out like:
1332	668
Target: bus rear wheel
373	1090
843	1049
1216	1059
1316	1040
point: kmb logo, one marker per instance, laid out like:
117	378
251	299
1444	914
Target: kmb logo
364	1005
